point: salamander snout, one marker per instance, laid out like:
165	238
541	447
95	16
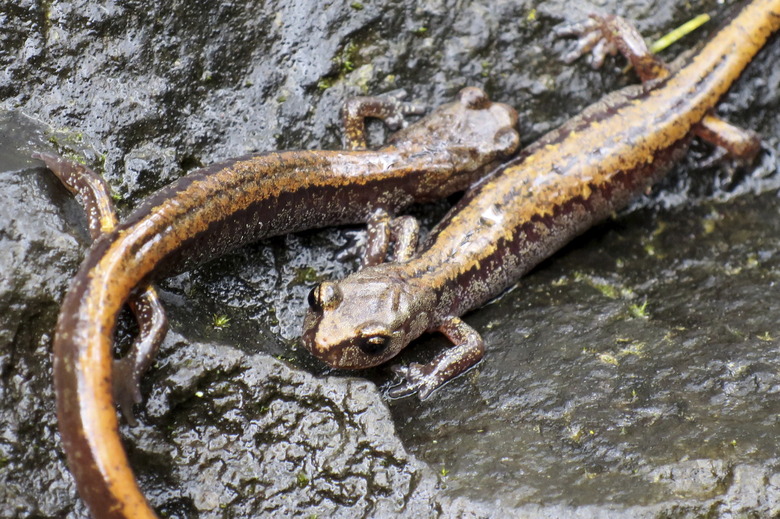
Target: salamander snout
474	98
507	140
489	127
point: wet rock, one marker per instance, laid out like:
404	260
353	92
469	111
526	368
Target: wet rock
37	258
249	433
634	374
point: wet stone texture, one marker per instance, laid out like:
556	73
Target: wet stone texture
638	367
635	374
237	426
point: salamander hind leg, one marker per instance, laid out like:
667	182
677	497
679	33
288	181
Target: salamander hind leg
603	36
390	109
95	198
738	143
468	349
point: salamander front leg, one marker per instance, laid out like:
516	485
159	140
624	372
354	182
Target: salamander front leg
406	234
378	242
404	231
608	35
468	349
604	35
389	109
94	195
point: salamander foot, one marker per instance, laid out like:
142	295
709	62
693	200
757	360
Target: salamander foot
591	37
389	108
415	378
466	351
127	387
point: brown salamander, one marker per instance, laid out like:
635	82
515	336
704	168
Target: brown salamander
211	211
572	178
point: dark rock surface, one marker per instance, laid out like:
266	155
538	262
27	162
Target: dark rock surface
634	374
638	372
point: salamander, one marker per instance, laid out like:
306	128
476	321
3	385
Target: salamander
553	190
211	211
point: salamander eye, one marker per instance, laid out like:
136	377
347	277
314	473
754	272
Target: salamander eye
314	303
375	344
323	296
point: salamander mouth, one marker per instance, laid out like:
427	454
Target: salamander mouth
340	356
330	355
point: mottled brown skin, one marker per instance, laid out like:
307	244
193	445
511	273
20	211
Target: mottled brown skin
519	215
219	208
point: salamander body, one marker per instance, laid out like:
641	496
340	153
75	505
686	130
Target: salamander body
569	180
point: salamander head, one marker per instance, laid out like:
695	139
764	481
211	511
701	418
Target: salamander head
481	129
361	321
